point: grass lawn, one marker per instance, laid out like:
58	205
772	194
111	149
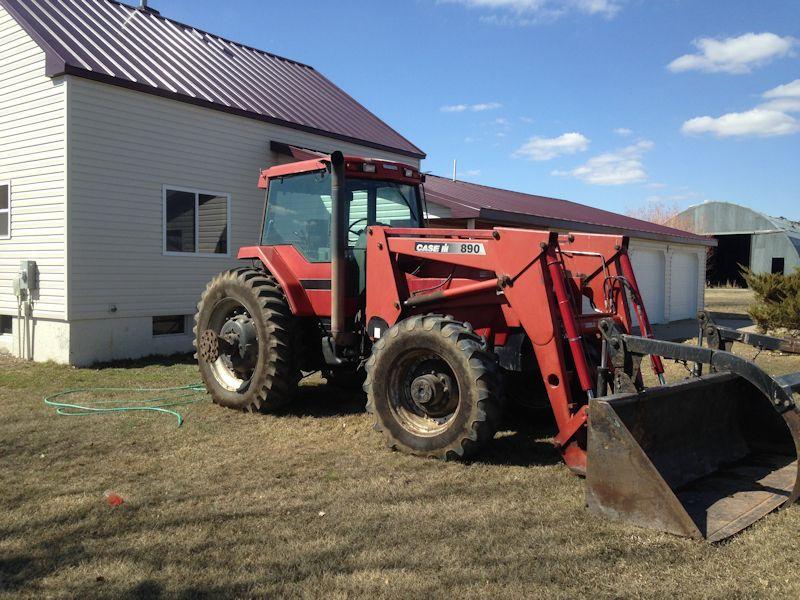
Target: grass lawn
728	300
309	504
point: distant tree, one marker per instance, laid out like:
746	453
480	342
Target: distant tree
667	213
655	211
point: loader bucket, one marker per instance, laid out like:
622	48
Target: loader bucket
703	458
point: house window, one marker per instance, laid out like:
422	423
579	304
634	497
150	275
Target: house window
196	222
6	325
5	210
169	325
778	265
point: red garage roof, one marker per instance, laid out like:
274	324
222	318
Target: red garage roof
473	201
115	43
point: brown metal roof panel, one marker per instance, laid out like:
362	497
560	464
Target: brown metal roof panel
116	43
470	200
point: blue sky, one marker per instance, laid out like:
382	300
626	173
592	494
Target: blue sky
614	103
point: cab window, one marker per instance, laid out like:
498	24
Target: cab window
380	202
299	213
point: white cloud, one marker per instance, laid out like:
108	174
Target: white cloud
684	197
481	107
735	54
539	148
768	119
527	120
470	173
623	131
785	105
787	90
486	106
613	168
655	185
529	12
607	8
783	98
756	122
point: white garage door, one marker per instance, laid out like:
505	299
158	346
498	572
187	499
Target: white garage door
683	286
648	266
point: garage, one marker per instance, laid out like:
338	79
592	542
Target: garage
669	263
650	267
684	287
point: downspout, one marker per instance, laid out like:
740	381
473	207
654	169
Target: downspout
338	243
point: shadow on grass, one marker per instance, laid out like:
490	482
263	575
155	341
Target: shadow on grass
172	360
323	401
523	441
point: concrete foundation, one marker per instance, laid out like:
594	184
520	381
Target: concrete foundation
87	342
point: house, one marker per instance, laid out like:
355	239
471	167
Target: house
745	237
130	147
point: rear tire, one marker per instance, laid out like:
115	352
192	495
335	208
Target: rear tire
267	376
433	389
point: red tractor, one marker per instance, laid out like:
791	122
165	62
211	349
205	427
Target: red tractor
444	325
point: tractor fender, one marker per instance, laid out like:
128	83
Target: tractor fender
296	295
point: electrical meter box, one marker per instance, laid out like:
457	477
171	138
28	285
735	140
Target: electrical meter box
27	275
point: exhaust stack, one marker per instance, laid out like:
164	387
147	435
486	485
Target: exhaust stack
338	244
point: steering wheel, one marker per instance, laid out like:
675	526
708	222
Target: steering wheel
353	224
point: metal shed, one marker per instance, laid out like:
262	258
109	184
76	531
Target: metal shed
745	237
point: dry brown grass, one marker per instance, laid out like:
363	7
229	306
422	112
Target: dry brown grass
729	300
230	505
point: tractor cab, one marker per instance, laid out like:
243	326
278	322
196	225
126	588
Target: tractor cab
299	210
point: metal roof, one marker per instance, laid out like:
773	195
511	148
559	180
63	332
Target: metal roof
473	201
727	218
115	43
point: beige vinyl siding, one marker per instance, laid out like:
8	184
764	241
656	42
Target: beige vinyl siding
33	160
124	147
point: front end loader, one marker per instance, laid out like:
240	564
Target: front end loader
441	324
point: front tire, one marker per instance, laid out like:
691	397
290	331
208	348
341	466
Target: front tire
243	336
433	389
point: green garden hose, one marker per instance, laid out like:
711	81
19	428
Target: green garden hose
159	404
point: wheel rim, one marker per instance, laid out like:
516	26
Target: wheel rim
423	392
236	355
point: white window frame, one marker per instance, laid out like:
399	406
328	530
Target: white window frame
7	211
197	193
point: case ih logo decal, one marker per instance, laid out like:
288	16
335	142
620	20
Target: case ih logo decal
450	248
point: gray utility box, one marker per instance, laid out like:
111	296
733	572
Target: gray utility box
28	279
